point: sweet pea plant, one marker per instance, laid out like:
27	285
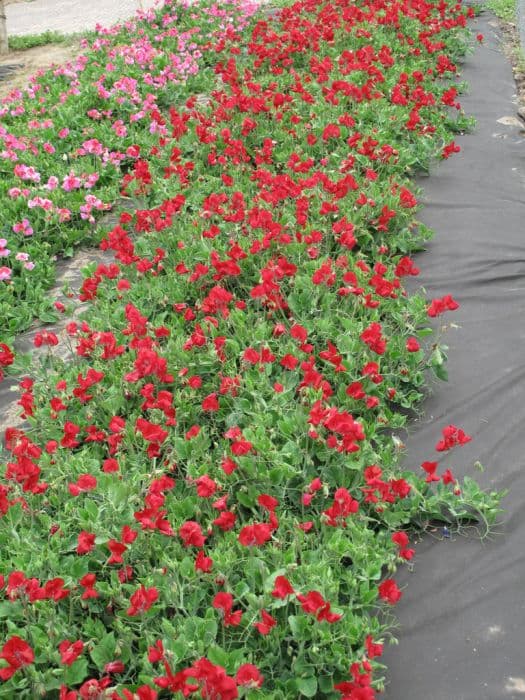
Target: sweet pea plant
209	501
67	138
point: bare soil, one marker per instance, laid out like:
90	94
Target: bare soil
33	60
512	49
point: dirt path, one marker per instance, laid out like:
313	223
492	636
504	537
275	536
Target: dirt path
30	62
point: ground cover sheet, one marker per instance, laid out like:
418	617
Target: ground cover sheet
463	613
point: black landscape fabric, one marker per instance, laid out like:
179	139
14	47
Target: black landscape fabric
462	617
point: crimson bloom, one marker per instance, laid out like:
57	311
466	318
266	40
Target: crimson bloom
249	676
86	542
282	588
389	591
224	602
18	654
70	651
452	437
439	306
267	624
142	600
191	534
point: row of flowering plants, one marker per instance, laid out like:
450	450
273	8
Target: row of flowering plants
209	501
66	139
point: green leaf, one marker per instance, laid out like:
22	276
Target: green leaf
76	673
307	686
104	651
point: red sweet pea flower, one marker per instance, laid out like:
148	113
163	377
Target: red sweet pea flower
190	533
269	503
255	535
430	468
412	345
93	688
128	535
372	337
7	358
142	600
210	403
449	149
156	652
325	613
69	651
193	432
228	465
452	437
282	588
66	694
86	542
85	482
289	362
214	681
54	589
311	602
225	521
117	549
203	563
70	433
401	539
224	603
45	338
389	591
373	649
18	654
267	624
241	447
150	431
332	131
406	198
144	692
249	676
114	667
110	465
406	266
88	583
206	487
448	477
439	306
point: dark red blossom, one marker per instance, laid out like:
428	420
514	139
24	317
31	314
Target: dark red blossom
142	600
18	654
70	651
224	602
439	306
282	587
191	534
389	591
267	624
452	437
249	676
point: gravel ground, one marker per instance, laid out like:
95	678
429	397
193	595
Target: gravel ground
67	16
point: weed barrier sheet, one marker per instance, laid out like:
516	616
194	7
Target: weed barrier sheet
462	617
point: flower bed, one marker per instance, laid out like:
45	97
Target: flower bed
209	502
67	138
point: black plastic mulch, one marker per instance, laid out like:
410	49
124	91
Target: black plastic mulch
462	617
